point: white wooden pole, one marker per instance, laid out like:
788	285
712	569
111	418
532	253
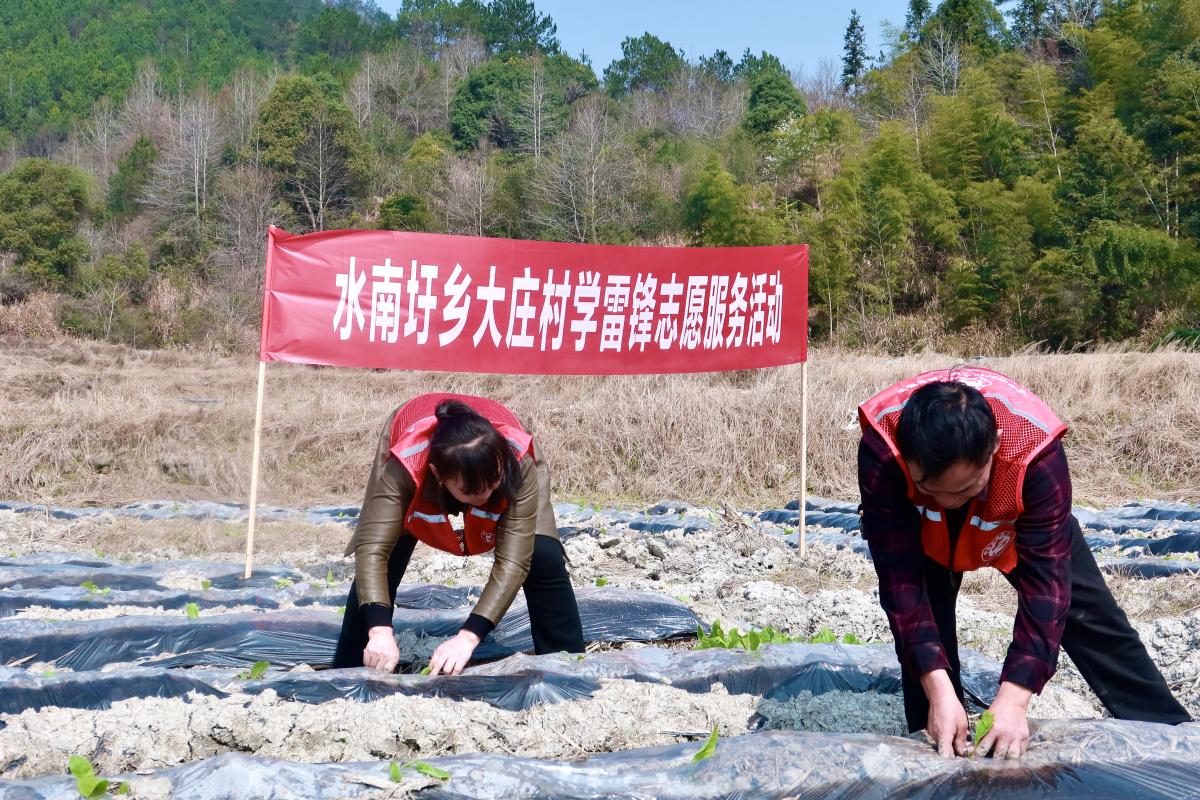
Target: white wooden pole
803	455
258	414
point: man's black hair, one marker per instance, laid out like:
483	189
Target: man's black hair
944	423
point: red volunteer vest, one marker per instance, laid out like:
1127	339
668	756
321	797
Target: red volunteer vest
1027	427
412	430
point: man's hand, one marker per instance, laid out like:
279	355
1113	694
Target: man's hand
1009	737
947	724
381	652
453	654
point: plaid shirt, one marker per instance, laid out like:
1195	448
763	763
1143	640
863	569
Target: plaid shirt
892	528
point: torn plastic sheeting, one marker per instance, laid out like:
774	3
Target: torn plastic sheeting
511	691
433	595
221	575
97	690
667	524
291	637
1072	759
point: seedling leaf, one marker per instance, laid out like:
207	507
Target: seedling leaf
123	788
205	584
710	746
91	587
429	769
427	670
397	775
601	581
982	729
258	669
329	577
283	583
193	611
85	778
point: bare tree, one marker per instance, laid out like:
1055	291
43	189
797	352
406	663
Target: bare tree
245	206
322	173
454	62
145	110
467	196
941	60
401	86
823	89
583	183
697	103
179	184
102	135
246	93
532	122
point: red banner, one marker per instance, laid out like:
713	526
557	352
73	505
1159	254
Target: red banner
423	301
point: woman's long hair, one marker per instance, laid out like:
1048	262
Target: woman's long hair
465	445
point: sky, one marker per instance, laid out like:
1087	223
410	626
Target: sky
802	33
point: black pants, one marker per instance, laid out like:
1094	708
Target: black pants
553	613
1098	638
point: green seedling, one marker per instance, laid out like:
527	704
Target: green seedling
93	589
602	581
192	610
205	584
579	657
735	639
396	771
427	670
710	746
329	578
255	672
283	583
123	788
982	728
85	778
451	582
827	636
48	673
341	611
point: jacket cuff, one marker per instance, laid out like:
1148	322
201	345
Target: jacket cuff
377	614
926	657
480	626
1028	671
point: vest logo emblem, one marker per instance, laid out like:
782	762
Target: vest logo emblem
996	546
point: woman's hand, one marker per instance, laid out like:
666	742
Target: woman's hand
453	654
381	652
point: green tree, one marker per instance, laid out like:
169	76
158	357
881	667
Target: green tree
309	137
773	100
516	27
495	100
646	63
719	213
975	22
854	53
403	212
914	20
41	206
132	173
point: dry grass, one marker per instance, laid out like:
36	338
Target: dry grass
82	421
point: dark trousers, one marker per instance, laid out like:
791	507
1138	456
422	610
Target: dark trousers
553	612
1098	638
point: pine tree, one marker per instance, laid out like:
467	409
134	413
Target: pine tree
854	56
918	13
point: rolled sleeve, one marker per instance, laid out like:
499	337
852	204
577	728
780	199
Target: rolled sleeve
892	528
1043	574
514	548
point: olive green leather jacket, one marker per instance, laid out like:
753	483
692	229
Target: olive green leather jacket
381	524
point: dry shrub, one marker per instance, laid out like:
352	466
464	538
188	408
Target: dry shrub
35	317
84	421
